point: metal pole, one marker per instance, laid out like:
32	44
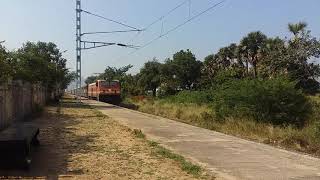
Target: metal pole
78	48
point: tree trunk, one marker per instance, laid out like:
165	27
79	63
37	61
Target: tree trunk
255	70
247	67
254	64
154	92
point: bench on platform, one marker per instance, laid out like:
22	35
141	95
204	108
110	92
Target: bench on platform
16	143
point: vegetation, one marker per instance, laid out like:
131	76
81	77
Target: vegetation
149	78
274	101
263	88
139	134
304	139
187	166
82	143
39	62
191	97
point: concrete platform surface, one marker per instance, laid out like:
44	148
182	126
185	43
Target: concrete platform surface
227	156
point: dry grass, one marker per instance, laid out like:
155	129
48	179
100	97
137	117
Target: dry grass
158	150
78	142
182	112
305	140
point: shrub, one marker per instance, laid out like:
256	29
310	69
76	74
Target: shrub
275	101
191	97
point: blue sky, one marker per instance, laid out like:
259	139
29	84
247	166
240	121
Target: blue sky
54	20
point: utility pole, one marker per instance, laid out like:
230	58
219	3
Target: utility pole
78	48
86	45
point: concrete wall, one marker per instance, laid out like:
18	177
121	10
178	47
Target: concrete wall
18	100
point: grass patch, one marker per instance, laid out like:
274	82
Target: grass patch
100	114
100	146
153	143
187	166
139	134
306	139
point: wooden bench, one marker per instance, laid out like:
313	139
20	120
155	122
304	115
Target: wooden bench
16	144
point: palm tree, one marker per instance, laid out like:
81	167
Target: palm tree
251	47
297	28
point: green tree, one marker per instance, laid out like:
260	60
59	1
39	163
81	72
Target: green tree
297	28
113	73
227	59
91	79
184	69
273	63
39	62
302	48
209	70
169	81
251	47
68	78
149	76
130	86
4	65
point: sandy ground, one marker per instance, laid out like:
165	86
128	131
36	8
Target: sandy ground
78	142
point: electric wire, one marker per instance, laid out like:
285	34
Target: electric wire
178	26
159	19
110	32
111	20
165	15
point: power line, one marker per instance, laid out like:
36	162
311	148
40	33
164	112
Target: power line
110	32
97	44
85	45
180	25
111	20
165	15
159	19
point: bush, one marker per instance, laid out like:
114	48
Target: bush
274	101
191	97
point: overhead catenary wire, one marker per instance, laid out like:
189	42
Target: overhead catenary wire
159	19
103	44
111	20
97	44
165	15
178	26
110	32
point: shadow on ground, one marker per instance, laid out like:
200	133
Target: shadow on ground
59	143
129	106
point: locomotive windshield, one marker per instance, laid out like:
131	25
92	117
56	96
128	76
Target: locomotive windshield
109	83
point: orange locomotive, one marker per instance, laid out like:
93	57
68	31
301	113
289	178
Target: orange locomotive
106	91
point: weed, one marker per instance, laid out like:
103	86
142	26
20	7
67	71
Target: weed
100	114
187	166
139	134
306	139
163	152
153	143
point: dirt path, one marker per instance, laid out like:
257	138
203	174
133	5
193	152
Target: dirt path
229	157
78	142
